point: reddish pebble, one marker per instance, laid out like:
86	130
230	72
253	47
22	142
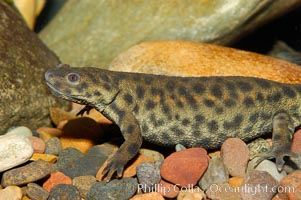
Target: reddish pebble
148	196
235	155
52	131
296	144
185	167
167	190
37	144
290	186
56	178
260	185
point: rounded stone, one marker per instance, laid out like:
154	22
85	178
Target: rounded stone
20	130
52	131
116	189
11	193
38	144
68	156
180	147
34	191
259	178
84	184
148	196
56	178
216	173
148	175
185	167
31	172
167	190
53	146
296	143
235	155
192	194
290	186
157	156
222	192
14	150
64	192
271	168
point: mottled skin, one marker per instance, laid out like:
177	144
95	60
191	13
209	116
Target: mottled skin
283	130
199	111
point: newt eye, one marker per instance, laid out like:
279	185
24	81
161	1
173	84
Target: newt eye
73	78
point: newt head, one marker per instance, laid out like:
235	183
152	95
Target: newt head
88	86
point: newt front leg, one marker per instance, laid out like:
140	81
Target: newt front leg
283	131
133	140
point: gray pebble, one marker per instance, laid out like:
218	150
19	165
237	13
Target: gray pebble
64	192
122	189
34	191
148	175
53	146
180	147
87	165
67	156
216	173
84	184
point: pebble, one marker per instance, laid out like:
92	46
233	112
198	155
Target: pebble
19	130
68	156
257	146
45	136
37	144
34	191
55	132
117	189
86	165
271	168
64	192
185	167
296	143
56	178
148	175
180	147
260	185
216	173
31	172
192	194
236	181
14	150
222	192
57	115
84	184
153	154
148	196
53	146
46	157
235	155
290	186
11	193
130	170
167	190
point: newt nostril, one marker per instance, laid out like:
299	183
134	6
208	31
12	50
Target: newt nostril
48	75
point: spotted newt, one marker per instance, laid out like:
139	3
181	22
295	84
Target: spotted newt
166	110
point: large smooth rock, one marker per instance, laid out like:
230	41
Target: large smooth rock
94	32
24	97
185	58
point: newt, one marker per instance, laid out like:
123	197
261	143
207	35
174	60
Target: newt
167	110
